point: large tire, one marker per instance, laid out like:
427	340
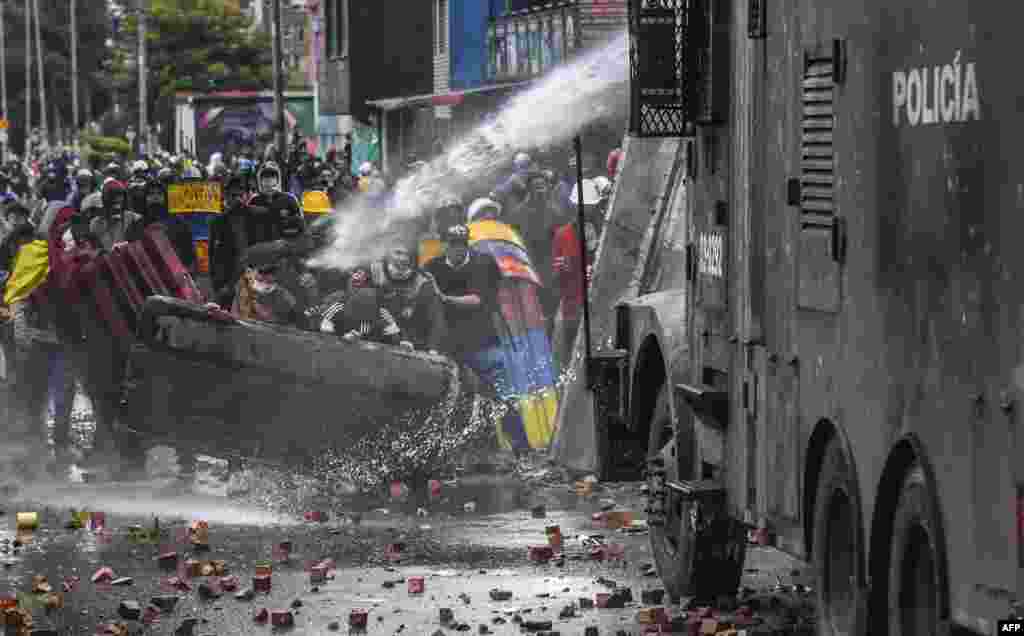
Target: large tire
672	552
838	553
917	591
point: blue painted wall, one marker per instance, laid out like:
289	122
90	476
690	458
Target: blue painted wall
469	20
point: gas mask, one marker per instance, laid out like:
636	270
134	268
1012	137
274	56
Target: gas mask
399	266
69	240
263	282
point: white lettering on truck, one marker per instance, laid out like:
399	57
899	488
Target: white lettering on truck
936	95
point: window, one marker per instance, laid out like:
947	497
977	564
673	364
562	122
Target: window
336	17
441	26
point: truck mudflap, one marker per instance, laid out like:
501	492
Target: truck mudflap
201	378
712	544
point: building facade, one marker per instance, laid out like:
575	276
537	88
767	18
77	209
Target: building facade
372	51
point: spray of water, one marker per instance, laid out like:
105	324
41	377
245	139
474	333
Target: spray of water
570	98
148	500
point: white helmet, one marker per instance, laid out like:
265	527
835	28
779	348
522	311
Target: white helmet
139	166
366	169
84	173
483	209
604	185
591	194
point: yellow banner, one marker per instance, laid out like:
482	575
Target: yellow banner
201	196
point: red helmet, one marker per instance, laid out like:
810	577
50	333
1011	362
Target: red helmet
113	189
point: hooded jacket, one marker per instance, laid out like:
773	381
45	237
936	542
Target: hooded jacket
415	305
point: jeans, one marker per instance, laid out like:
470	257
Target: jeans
61	395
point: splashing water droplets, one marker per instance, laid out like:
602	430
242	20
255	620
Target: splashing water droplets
557	108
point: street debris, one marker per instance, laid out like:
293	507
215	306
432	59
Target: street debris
27	520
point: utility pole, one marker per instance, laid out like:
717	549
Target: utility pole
42	76
279	131
75	122
28	76
3	77
143	133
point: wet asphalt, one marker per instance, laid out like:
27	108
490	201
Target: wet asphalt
462	552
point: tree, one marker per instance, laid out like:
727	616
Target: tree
55	18
201	45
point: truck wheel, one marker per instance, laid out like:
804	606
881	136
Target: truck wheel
837	550
671	543
916	559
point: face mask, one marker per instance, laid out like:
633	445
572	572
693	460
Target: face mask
69	240
261	287
399	272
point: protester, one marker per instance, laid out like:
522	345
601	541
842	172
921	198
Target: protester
259	295
412	297
468	282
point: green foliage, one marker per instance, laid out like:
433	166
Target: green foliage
105	147
200	44
94	27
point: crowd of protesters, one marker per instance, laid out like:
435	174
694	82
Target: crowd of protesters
57	215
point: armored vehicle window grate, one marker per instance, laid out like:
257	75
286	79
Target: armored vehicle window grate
817	157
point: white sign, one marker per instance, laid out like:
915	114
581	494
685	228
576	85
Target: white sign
711	255
936	94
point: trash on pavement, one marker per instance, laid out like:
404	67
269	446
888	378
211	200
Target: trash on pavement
129	610
445	615
261	583
652	597
398	490
538	512
318	574
435	488
500	595
282	618
40	585
585	603
469	506
71	583
263	568
615	519
554	537
209	591
177	583
393	551
103	575
18	617
168	560
652	616
53	601
97	521
112	629
124	580
316	516
262	615
416	585
199	535
540	553
165	602
357	619
151	614
537	626
27	520
187	627
247	594
584	488
193	568
282	551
